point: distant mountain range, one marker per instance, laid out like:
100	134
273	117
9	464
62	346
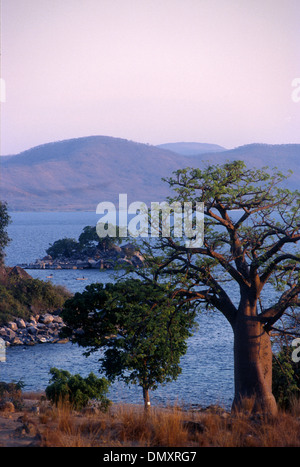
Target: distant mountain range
79	173
192	149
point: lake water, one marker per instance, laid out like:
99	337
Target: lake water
207	367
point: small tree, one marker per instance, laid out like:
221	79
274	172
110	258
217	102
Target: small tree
4	238
88	237
63	248
142	328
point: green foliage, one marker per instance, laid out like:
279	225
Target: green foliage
251	226
141	326
88	237
88	240
76	390
251	229
21	297
66	247
286	377
4	221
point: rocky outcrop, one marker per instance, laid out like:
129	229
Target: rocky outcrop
115	257
37	330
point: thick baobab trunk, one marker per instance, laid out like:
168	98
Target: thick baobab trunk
253	364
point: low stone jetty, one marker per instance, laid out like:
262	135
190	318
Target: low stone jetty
38	329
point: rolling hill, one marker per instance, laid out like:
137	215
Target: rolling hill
79	173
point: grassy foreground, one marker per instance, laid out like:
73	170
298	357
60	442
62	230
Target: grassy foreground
127	426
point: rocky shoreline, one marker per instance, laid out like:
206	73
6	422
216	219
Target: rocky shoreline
39	329
115	257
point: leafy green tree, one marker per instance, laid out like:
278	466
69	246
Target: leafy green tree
64	248
4	222
251	229
90	238
142	328
76	390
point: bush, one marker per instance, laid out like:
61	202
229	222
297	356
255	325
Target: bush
20	297
76	390
11	392
286	377
10	307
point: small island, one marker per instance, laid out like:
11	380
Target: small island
89	252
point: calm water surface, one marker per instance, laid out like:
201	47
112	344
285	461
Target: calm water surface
207	367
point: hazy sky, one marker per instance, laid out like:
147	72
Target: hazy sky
153	71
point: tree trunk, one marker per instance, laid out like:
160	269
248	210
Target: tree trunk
146	399
252	364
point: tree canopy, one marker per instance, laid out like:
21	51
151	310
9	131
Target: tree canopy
251	228
4	222
88	240
247	267
142	328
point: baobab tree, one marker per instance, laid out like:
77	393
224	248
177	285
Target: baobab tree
247	267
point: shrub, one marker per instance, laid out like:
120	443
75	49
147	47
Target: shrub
20	297
286	377
11	392
75	389
9	306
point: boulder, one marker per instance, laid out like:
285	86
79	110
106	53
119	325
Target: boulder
8	334
32	330
17	271
2	332
12	325
47	258
20	323
32	321
42	340
57	319
16	341
46	319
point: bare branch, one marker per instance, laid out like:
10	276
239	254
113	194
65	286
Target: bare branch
275	312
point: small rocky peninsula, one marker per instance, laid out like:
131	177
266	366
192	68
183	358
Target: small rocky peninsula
89	252
30	308
115	257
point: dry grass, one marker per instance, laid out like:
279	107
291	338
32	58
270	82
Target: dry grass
126	425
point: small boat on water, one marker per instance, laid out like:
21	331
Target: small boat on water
81	278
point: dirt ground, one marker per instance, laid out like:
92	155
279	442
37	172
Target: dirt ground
20	428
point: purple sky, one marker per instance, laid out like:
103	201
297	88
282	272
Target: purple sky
153	71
